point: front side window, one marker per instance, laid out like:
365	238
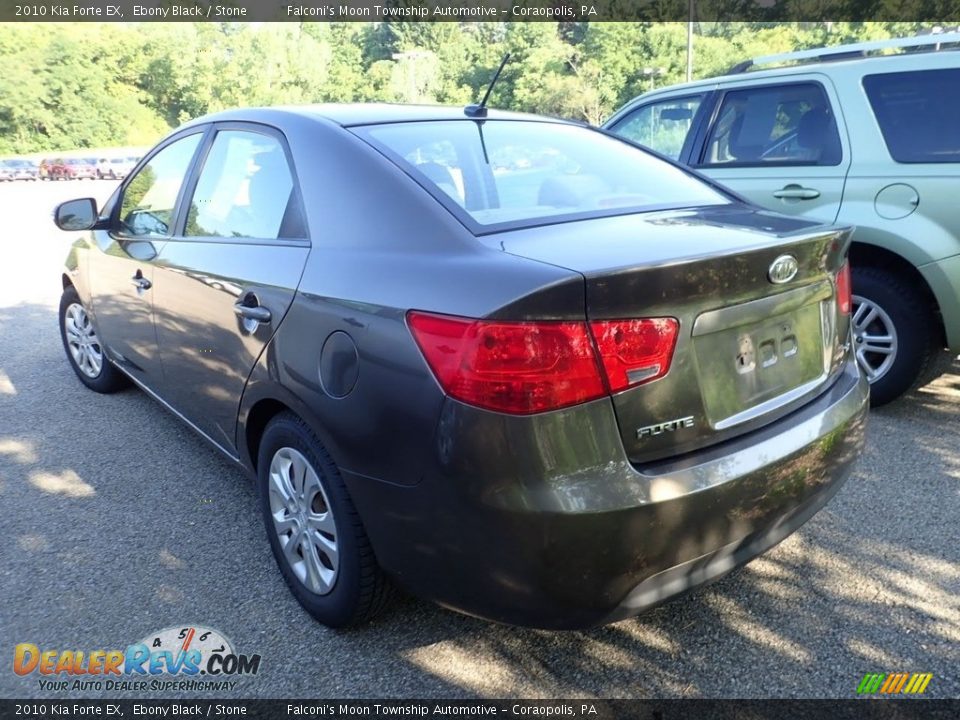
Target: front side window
918	114
661	126
245	190
522	173
774	125
149	199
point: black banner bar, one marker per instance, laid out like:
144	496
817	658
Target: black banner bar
935	11
862	709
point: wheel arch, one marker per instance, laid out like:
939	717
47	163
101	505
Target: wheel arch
263	401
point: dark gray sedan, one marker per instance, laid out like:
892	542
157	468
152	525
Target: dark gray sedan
511	364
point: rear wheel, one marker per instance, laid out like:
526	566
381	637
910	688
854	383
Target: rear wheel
895	336
314	530
84	350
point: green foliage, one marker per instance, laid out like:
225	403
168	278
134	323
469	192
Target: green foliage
68	86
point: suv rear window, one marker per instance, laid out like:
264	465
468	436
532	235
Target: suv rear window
515	173
917	112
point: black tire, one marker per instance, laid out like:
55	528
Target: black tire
109	379
360	590
917	335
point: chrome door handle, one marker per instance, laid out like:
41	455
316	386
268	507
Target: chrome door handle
140	282
796	192
257	313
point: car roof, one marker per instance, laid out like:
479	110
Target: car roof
351	114
839	63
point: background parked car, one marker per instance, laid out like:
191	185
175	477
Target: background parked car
115	168
842	136
73	169
17	169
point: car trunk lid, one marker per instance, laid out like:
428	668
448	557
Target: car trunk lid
755	297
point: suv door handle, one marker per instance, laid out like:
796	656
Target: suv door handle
257	313
796	192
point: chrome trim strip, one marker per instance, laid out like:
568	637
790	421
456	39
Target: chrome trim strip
758	310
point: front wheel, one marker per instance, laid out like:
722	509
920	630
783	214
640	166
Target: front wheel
895	336
84	350
314	530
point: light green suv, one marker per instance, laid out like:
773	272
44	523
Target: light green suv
865	135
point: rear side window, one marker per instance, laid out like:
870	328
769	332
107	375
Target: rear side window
661	126
245	190
918	114
774	125
505	172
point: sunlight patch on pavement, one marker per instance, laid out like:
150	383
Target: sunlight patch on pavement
32	543
66	483
6	384
169	560
471	668
22	451
739	620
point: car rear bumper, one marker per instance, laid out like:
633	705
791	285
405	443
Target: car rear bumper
546	524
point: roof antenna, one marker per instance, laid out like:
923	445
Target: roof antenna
480	111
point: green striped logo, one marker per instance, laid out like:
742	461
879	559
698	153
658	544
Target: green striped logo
894	683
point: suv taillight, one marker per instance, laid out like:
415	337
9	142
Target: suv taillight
844	290
529	367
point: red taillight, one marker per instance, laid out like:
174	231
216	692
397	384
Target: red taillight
844	292
530	367
635	351
512	367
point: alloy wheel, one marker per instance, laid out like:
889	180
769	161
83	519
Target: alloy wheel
874	338
82	341
303	520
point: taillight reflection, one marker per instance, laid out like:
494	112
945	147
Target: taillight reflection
844	289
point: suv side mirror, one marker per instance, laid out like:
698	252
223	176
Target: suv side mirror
76	214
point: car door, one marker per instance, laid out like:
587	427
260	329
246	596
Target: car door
780	144
226	279
122	272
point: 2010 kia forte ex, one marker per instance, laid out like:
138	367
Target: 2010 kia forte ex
514	365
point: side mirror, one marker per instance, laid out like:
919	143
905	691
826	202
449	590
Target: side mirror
76	214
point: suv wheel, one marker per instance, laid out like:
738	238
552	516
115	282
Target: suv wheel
84	350
894	333
314	529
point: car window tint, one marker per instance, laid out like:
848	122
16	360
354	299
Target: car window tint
774	125
147	207
661	126
245	190
502	171
917	114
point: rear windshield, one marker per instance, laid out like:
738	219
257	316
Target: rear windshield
517	173
918	114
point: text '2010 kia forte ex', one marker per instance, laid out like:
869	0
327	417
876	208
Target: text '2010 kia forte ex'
514	365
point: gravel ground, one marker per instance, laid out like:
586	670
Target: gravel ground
120	522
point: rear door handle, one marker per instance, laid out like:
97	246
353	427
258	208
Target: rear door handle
257	313
796	192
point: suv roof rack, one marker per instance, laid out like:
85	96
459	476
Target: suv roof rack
846	52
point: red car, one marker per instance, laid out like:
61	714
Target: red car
72	169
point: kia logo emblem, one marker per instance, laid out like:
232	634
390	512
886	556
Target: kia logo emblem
783	269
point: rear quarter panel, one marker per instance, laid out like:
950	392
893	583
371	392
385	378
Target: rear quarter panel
381	245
